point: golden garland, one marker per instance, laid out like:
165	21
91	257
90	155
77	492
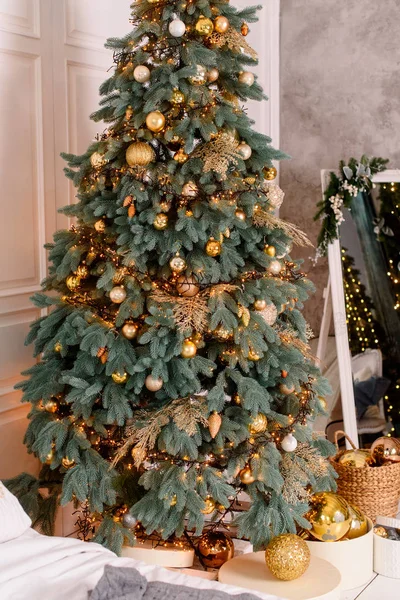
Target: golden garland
234	40
262	218
289	338
295	469
218	154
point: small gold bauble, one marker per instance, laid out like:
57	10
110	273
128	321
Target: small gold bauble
155	121
204	26
67	463
130	330
190	189
286	389
189	349
287	556
83	271
209	506
236	399
97	160
161	222
197	338
177	97
329	516
212	75
270	250
381	531
49	458
187	286
174	500
153	384
120	377
213	248
270	173
100	226
260	304
177	264
259	424
215	549
246	476
73	282
139	154
118	294
58	347
201	76
252	355
50	406
355	458
244	29
240	214
358	523
221	24
181	157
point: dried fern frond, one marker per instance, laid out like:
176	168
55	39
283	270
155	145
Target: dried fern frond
295	470
262	218
234	40
290	338
218	154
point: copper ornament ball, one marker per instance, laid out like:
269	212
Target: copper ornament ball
187	286
153	384
221	24
287	556
215	549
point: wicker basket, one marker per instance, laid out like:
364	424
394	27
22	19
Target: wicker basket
375	490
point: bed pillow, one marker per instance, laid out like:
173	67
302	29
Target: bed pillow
13	519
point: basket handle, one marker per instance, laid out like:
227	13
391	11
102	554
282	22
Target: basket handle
343	433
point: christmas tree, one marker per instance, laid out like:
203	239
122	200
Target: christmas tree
173	370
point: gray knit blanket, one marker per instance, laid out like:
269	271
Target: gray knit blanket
129	584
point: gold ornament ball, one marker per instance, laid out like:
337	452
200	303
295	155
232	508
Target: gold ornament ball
153	384
355	458
100	226
245	150
58	347
215	549
358	523
221	24
141	74
213	248
287	556
177	264
381	531
240	214
270	173
253	355
181	157
67	463
259	424
118	294
73	282
190	190
189	349
161	222
50	406
204	26
286	389
97	160
201	76
386	450
155	121
212	75
247	78
246	476
130	330
83	271
260	304
187	286
120	377
209	506
139	154
177	97
270	251
329	516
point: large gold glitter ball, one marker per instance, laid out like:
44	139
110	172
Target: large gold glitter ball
209	506
187	286
287	556
189	349
358	523
355	458
73	282
246	475
161	222
213	248
139	154
215	549
177	264
258	424
270	173
155	121
329	516
204	26
119	377
221	24
177	97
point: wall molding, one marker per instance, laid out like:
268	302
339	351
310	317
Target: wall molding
28	26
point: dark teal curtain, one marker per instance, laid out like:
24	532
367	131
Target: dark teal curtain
363	212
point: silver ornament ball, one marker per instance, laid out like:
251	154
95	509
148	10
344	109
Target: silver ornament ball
289	443
177	28
245	151
274	267
129	521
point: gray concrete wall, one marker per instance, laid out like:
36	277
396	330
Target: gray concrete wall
340	97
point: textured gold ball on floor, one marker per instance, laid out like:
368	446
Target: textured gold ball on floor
287	556
215	549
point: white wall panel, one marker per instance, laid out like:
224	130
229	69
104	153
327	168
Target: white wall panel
20	16
90	22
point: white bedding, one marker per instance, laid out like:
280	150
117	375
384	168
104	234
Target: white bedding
36	567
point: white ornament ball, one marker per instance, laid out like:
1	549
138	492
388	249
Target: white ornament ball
274	267
190	189
245	151
289	443
286	389
270	314
153	384
118	294
177	28
274	194
247	78
141	74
